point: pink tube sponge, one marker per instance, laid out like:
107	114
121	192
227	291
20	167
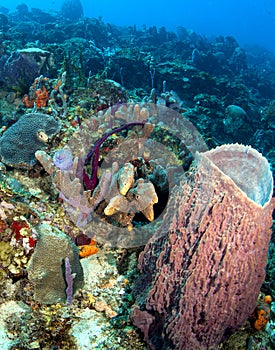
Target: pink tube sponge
202	270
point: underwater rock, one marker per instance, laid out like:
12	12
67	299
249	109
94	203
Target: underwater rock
46	268
203	269
235	118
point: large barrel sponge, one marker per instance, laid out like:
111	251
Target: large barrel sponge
28	135
203	268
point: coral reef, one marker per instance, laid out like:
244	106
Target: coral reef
117	172
105	212
29	134
202	270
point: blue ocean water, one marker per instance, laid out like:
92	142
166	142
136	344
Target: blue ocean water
249	21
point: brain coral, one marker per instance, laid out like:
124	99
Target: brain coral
47	264
29	134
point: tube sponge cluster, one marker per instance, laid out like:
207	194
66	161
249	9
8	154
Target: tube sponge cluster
202	270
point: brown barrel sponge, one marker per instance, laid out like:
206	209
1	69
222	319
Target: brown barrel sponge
202	270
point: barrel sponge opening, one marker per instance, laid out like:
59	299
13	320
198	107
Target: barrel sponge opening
247	168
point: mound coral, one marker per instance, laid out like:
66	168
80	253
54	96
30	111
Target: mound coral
29	134
46	267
